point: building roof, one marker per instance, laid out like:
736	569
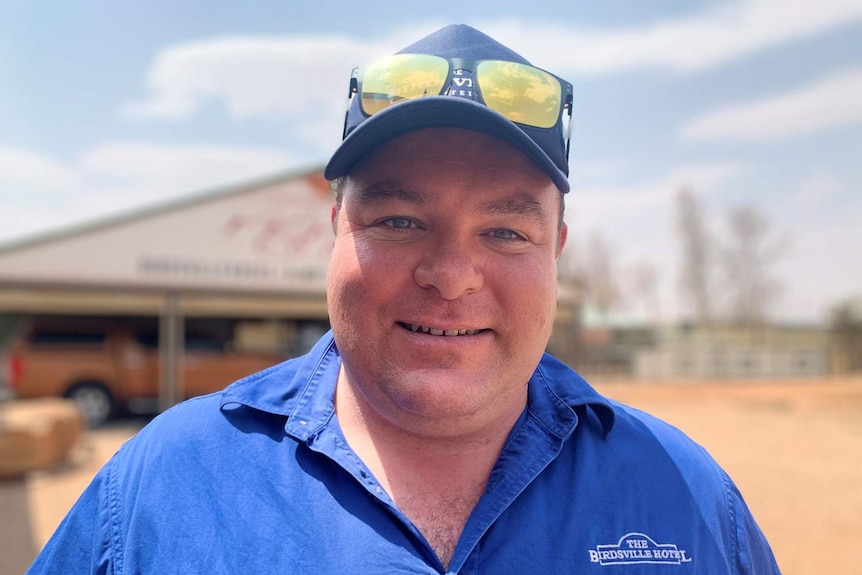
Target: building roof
271	235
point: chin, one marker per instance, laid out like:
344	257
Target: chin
441	391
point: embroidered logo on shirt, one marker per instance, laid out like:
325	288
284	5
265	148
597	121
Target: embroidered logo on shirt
634	548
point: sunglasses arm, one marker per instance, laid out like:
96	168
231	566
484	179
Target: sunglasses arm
351	92
568	130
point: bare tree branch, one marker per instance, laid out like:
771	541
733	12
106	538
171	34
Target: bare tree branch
747	258
698	251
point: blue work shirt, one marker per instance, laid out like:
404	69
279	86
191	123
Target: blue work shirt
259	479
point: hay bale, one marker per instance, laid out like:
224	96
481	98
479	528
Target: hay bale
37	434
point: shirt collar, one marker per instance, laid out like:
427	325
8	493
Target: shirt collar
302	390
557	392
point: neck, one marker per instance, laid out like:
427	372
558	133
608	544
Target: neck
375	436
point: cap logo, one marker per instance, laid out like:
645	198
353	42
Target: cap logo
462	84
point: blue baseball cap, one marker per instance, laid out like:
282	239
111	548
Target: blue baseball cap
453	108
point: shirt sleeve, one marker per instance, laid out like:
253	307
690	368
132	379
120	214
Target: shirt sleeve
82	544
754	556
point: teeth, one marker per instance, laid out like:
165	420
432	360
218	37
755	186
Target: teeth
445	332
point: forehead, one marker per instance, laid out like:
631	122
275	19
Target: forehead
424	165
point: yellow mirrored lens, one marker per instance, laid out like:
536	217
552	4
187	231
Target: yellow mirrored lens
521	93
402	77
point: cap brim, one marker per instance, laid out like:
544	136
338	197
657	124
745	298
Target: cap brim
436	112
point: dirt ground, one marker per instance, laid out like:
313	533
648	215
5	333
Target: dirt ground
793	447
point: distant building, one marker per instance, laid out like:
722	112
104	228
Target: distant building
847	336
247	263
735	351
259	249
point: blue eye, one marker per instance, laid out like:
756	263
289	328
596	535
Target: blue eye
504	234
400	223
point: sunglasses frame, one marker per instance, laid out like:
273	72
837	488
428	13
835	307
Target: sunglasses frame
471	65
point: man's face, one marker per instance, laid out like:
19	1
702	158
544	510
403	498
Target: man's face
442	283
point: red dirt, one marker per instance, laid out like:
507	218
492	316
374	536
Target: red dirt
794	448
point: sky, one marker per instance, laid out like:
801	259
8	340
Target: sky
107	107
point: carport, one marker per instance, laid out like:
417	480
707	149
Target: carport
253	251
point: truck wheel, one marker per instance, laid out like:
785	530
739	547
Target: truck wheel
94	401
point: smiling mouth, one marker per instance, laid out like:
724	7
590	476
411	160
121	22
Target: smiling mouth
434	331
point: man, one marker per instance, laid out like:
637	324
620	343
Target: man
427	433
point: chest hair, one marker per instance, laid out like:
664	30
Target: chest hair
440	516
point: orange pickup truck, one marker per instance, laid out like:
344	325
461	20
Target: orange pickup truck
106	367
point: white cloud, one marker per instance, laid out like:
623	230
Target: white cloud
727	31
832	101
176	167
22	170
18	221
120	176
821	220
607	207
302	78
820	268
818	187
251	76
582	172
286	76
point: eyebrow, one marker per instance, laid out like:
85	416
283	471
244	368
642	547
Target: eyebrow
382	192
519	206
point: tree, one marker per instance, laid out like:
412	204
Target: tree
592	264
696	274
747	258
600	274
643	279
569	266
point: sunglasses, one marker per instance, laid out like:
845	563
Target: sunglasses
521	93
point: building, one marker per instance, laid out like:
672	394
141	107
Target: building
251	257
728	351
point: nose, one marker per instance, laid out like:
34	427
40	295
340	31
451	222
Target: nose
451	267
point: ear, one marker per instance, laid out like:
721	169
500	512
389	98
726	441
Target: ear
564	234
333	216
